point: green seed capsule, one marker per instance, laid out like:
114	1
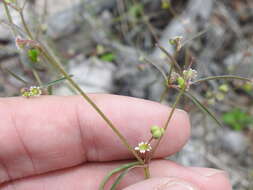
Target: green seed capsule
154	128
157	132
224	88
181	82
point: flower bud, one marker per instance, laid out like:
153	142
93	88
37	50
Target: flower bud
181	82
154	128
224	88
157	132
33	55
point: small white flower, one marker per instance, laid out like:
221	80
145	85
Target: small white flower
190	74
35	91
174	77
143	147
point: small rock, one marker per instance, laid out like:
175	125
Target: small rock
234	141
92	75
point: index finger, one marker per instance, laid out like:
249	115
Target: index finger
49	133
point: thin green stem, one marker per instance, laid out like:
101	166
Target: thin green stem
172	59
7	11
55	82
147	172
29	33
53	61
158	68
179	96
37	77
35	73
115	171
165	92
16	76
222	77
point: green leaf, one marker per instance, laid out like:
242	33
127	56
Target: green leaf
203	108
109	57
120	177
119	169
237	119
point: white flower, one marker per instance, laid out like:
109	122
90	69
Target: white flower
143	147
35	91
190	74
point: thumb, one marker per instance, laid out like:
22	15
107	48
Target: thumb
164	183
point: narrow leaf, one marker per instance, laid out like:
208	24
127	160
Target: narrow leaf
158	68
56	81
226	77
16	76
203	108
120	177
110	174
172	59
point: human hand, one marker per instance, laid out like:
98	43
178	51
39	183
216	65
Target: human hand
61	143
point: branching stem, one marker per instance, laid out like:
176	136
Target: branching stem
54	62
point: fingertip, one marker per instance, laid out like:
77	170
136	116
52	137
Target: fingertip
177	134
163	183
220	177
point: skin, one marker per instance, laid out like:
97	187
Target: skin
61	143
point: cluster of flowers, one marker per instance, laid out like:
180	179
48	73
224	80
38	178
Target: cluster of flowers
32	91
184	80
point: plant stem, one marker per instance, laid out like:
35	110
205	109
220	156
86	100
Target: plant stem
29	33
172	59
147	172
35	73
158	68
25	25
165	92
7	11
179	96
53	61
37	77
222	77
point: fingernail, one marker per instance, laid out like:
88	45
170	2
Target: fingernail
213	173
177	185
207	172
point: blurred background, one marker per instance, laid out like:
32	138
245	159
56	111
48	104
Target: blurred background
103	43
